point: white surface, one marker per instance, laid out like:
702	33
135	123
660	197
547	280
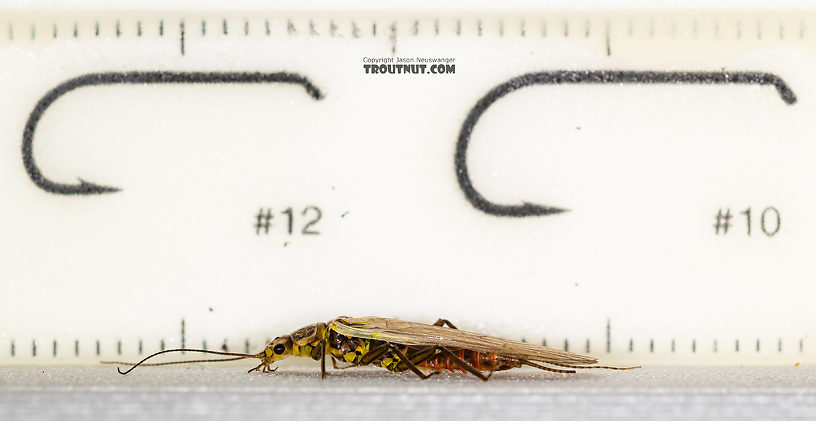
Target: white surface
643	169
209	393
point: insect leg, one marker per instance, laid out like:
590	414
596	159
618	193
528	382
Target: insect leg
541	367
443	322
372	355
256	368
337	367
322	345
410	364
417	358
423	356
465	365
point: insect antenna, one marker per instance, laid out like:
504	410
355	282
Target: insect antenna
237	356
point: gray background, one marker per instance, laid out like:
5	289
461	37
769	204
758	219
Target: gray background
228	392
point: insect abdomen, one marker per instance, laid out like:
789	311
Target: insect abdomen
479	360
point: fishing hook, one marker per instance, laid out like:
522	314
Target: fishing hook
585	77
121	78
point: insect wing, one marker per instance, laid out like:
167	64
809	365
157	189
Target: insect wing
420	334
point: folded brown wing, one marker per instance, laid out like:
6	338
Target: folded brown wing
420	334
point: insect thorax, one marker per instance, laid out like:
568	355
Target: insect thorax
349	349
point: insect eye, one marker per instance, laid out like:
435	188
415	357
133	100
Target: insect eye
279	349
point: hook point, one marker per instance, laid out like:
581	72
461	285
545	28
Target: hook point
91	188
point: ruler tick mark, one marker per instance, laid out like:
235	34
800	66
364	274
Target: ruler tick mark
161	345
436	27
246	28
458	27
759	30
587	346
739	29
355	30
332	28
140	346
161	27
779	345
76	347
544	28
673	345
651	345
203	344
98	347
479	27
393	37
694	346
183	335
33	348
54	29
312	30
608	41
203	28
10	32
415	29
181	37
374	29
224	28
33	31
523	28
715	346
757	345
13	353
586	28
96	28
290	27
608	335
566	29
266	26
118	29
781	31
139	28
566	344
801	345
54	349
801	29
631	345
651	28
736	346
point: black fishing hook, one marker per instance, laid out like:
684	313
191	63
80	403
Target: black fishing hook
584	77
114	78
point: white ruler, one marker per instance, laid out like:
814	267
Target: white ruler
636	186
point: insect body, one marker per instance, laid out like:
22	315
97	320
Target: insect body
402	346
